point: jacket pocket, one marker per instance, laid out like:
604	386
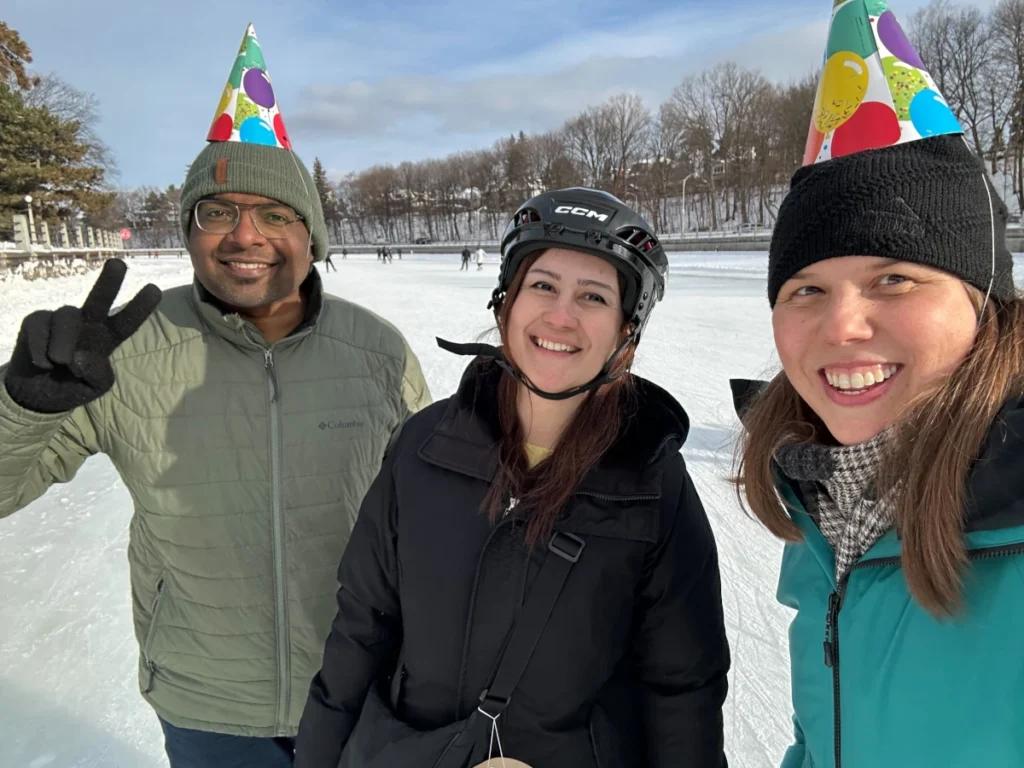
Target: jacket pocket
154	623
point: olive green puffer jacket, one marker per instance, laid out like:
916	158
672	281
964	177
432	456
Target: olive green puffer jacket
247	464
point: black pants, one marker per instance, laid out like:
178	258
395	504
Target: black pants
330	265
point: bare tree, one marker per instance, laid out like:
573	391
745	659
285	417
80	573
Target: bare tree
628	119
589	140
955	44
552	166
1007	29
70	104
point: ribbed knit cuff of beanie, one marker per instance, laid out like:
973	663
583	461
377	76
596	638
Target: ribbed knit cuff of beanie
924	202
254	169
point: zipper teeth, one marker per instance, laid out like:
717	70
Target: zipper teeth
832	622
284	673
150	634
607	497
837	701
152	622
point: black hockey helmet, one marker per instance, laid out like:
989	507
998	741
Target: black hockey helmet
596	223
593	222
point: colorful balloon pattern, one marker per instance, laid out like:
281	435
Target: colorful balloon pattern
874	89
248	110
842	88
905	82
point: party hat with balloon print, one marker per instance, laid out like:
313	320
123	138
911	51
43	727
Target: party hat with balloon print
248	111
874	91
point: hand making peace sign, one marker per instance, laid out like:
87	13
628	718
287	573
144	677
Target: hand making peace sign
62	358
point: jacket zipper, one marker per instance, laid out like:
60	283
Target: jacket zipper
283	656
151	633
607	497
835	604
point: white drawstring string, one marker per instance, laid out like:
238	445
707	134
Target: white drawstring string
992	225
495	735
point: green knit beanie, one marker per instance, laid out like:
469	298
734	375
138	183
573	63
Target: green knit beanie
255	169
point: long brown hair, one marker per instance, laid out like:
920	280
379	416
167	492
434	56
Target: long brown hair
937	438
542	492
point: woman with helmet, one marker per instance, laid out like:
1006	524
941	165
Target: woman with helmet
532	576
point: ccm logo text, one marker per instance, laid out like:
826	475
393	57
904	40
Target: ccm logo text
576	211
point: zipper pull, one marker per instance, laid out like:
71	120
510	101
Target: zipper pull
512	501
152	673
268	363
830	622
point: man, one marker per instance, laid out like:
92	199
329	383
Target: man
465	258
480	254
246	413
328	264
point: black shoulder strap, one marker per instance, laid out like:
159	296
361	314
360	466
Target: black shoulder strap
564	551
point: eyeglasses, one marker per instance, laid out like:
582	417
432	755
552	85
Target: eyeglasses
221	217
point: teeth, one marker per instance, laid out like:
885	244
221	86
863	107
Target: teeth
553	346
251	267
860	380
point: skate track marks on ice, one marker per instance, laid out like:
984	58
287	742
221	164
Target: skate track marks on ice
68	655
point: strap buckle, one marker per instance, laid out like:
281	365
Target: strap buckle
567	546
498	703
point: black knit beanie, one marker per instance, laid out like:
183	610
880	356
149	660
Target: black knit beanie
924	201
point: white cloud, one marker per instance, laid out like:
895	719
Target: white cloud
499	98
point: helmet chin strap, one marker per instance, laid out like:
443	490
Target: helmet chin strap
604	376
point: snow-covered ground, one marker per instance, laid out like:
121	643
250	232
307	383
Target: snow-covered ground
68	691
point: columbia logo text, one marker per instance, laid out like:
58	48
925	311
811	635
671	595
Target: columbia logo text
340	424
577	211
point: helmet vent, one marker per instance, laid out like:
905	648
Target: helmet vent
638	238
526	216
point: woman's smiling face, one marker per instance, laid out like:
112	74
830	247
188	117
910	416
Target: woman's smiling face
566	320
859	337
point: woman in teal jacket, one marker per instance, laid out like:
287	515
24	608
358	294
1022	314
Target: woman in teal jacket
894	438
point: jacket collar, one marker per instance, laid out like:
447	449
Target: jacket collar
233	327
995	493
467	436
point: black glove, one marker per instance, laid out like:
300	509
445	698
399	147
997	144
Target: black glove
62	359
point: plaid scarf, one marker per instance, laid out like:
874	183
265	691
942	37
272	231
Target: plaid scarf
838	487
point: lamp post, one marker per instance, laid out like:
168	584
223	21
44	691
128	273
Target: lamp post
31	222
686	211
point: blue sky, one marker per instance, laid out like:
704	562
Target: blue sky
394	80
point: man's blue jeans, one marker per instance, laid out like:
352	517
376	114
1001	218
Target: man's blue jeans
201	749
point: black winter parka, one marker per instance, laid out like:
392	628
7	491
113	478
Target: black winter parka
631	668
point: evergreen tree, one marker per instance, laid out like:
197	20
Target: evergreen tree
14	55
44	156
324	190
323	186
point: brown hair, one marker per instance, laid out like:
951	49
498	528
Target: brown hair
542	492
937	438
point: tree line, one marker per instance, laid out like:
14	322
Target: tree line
716	155
49	149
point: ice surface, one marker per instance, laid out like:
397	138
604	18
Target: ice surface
68	691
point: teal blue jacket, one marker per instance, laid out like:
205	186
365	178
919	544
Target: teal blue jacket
904	689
